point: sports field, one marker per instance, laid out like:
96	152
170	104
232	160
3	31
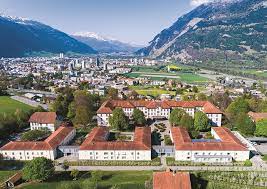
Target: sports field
8	105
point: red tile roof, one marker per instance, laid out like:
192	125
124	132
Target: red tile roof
229	142
56	138
170	180
97	140
43	117
52	142
108	106
257	116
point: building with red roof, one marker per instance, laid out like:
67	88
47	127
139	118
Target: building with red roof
97	147
43	120
224	148
158	109
256	117
171	180
20	150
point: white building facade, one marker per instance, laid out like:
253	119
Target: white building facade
97	147
19	150
43	121
158	109
224	148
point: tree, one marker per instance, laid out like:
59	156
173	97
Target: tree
96	177
240	105
244	124
118	120
65	165
261	128
202	96
187	122
221	100
84	106
175	116
195	89
139	117
74	173
113	93
201	121
38	169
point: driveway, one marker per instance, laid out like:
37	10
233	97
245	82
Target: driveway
29	102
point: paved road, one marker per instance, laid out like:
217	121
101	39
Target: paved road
29	102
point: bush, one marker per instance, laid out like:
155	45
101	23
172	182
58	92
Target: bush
38	169
153	162
248	163
167	140
35	135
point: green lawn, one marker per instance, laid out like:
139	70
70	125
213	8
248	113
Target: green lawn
125	179
181	76
4	175
8	105
149	90
265	157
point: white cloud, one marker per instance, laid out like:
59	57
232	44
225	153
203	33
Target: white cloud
199	2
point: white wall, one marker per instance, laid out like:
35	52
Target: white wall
28	154
159	112
39	126
190	155
115	155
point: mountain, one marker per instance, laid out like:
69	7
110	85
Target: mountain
231	29
104	44
20	37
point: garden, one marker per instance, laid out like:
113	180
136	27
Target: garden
153	162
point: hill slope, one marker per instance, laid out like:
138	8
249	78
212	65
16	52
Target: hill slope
20	37
229	29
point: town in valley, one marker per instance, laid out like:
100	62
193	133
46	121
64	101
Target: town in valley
185	112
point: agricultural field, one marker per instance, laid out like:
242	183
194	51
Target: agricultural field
260	73
160	73
149	90
8	105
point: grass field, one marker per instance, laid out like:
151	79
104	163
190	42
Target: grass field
265	157
260	73
4	175
8	105
149	90
181	76
125	179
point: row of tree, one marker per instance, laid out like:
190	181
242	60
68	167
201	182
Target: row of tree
200	122
78	106
119	121
15	122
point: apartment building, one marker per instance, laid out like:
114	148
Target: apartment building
97	147
19	150
224	148
43	120
158	109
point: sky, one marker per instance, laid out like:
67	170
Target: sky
134	21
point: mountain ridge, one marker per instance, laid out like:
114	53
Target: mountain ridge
210	30
20	37
104	44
